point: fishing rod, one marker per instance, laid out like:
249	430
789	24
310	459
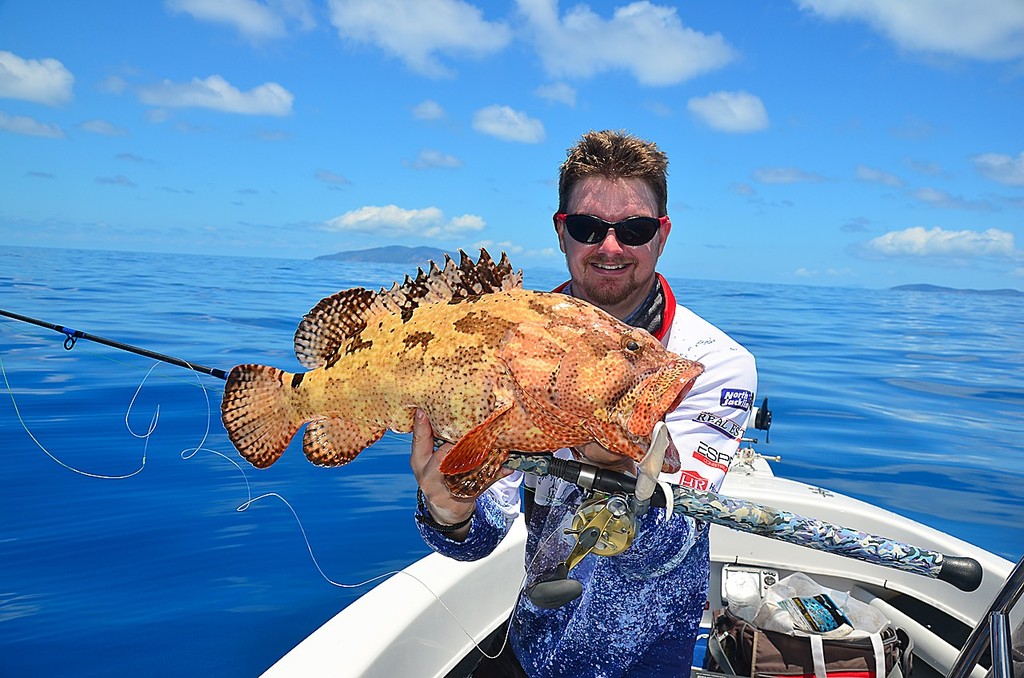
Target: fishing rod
745	516
71	336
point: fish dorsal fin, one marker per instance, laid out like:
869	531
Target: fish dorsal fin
337	319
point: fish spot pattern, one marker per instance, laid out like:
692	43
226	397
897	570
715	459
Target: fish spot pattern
418	339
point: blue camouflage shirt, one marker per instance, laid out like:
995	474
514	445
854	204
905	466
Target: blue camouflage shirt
639	611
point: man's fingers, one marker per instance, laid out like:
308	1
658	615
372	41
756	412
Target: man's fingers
422	438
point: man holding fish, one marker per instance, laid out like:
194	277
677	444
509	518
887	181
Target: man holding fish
639	611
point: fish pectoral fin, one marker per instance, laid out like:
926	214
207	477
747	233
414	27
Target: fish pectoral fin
473	483
336	441
474	448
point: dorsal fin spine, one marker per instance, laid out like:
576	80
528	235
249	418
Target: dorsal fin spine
336	320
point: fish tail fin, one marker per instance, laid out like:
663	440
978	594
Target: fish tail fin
257	414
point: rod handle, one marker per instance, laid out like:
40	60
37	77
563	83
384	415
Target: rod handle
962	572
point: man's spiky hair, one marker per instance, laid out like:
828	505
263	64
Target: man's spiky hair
614	155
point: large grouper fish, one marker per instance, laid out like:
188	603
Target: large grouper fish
496	368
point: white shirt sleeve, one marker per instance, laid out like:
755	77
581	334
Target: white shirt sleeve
710	421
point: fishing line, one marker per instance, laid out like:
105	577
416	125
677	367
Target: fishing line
88	474
71	337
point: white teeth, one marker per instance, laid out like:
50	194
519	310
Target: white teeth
610	267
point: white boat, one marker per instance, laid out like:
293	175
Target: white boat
428	620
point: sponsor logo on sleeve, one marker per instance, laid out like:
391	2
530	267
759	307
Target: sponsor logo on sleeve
724	426
737	398
712	457
693	480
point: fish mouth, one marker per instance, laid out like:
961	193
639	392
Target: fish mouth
657	393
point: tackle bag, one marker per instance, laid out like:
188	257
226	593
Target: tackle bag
739	648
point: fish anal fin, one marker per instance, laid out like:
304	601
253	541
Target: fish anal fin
336	442
256	413
474	448
471	484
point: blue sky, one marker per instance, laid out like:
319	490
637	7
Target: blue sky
829	142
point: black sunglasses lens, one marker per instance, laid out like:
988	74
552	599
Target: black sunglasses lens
636	230
585	228
591	230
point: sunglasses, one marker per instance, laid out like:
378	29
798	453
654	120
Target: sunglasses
590	230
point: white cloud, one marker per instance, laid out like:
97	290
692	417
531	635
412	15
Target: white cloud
736	112
119	180
273	135
103	128
785	175
507	124
646	40
979	29
933	197
394	221
19	124
466	222
877	176
332	178
217	93
44	81
113	84
430	159
254	20
926	167
515	251
428	110
936	242
558	92
1002	168
657	108
506	246
419	33
830	272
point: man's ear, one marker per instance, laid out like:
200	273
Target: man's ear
663	236
560	231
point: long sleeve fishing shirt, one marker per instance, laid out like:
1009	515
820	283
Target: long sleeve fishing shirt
640	610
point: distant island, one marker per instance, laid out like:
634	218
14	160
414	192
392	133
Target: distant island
394	254
938	288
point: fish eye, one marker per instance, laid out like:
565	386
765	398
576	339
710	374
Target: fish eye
631	345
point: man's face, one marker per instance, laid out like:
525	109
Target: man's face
612	276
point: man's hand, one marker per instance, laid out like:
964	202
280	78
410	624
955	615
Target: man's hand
599	455
425	461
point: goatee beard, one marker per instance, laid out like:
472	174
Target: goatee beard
607	293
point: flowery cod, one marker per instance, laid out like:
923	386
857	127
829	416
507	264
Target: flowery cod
496	368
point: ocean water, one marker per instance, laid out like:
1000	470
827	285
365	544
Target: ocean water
123	553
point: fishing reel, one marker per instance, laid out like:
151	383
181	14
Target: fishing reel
603	525
606	522
761	420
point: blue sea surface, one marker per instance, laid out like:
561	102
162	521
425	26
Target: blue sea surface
122	553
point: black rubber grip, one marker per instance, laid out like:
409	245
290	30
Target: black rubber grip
963	573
